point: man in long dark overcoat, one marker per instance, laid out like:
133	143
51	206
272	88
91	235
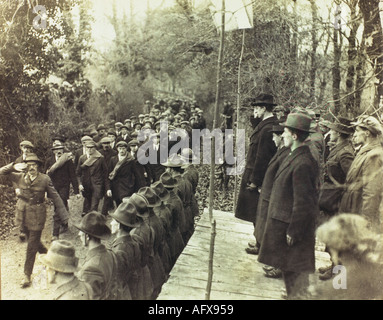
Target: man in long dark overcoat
261	150
267	186
123	174
92	173
60	168
288	242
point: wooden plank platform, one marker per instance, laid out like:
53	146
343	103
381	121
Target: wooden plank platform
236	274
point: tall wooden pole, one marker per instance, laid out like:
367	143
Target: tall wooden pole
212	164
237	116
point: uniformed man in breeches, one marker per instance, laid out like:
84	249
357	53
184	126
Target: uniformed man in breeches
30	208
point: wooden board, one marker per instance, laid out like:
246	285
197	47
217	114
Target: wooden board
236	274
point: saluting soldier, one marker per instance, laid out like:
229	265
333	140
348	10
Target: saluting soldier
31	211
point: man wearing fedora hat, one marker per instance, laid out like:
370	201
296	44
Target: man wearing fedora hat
288	242
261	150
184	188
157	269
364	188
163	212
144	236
31	210
99	268
175	205
92	173
61	264
60	168
127	250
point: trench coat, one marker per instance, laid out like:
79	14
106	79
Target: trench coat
163	212
128	258
292	210
31	209
261	150
99	270
264	198
144	236
74	290
176	208
364	187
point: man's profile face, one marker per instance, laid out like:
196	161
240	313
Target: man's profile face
287	137
360	136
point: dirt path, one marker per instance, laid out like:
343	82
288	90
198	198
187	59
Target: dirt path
13	257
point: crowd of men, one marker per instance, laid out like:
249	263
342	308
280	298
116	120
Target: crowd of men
152	206
300	168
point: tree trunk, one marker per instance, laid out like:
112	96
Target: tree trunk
372	34
314	14
352	57
336	77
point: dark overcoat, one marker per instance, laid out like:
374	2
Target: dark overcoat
292	211
264	197
261	150
63	177
94	177
127	179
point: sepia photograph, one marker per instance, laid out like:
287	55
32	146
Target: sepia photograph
191	154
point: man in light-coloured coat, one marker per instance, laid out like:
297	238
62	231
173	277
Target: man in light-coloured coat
364	185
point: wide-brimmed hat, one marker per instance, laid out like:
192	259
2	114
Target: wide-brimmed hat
298	121
370	123
26	143
60	257
140	203
32	157
126	214
57	146
160	190
343	125
94	224
174	161
263	100
118	124
149	194
168	181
